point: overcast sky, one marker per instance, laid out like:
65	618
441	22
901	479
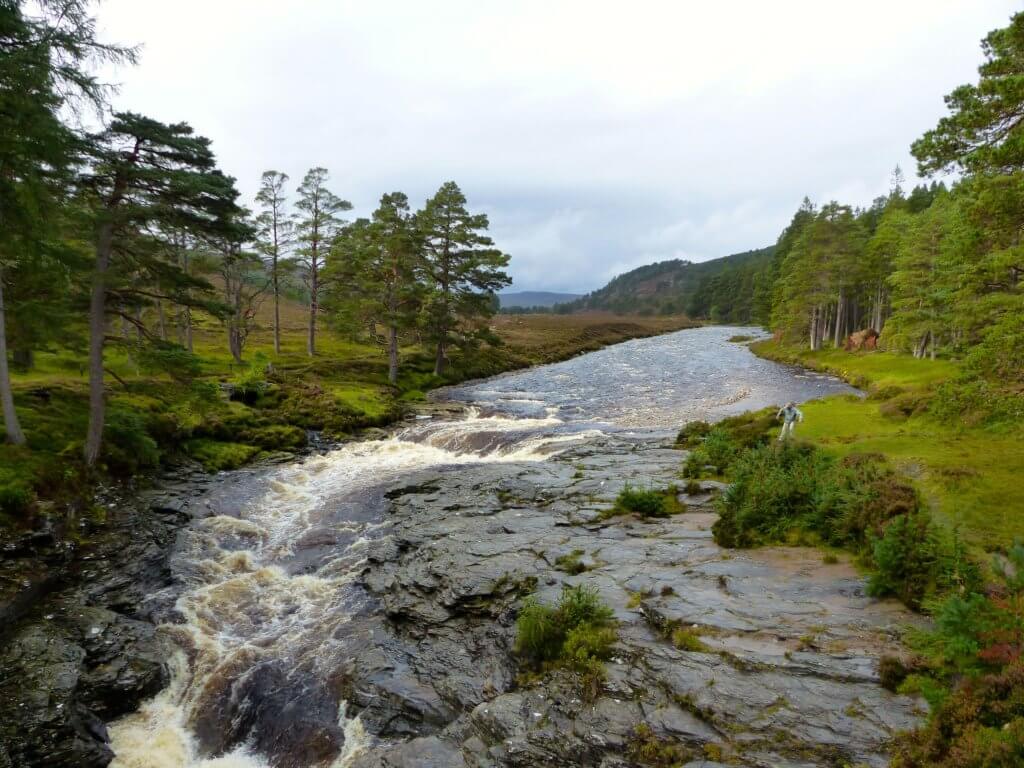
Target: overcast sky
597	136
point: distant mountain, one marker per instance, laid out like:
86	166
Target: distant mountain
534	298
669	287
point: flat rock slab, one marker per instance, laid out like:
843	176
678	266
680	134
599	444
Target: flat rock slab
787	675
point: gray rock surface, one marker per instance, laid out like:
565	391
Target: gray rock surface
787	677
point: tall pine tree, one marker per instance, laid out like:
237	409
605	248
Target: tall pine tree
275	229
146	176
463	267
317	226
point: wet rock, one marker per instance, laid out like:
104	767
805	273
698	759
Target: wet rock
787	676
81	651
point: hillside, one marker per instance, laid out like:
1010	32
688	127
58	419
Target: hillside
509	299
668	287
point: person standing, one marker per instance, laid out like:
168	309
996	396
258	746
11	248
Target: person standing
789	414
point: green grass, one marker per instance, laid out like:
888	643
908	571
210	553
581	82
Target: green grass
344	388
969	477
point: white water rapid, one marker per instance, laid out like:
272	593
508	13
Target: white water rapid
252	602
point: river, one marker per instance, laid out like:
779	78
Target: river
269	601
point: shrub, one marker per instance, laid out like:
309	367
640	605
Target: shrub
692	433
979	725
891	672
577	632
571	563
127	445
539	634
772	490
791	486
15	498
693	487
645	748
586	643
252	384
646	503
719	446
905	560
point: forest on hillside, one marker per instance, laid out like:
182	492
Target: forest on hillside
677	286
117	238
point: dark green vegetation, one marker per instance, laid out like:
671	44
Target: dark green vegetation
720	289
647	502
578	633
924	473
971	669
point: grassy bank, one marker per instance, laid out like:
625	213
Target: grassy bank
916	489
969	475
224	414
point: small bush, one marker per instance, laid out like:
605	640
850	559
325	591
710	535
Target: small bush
646	503
579	632
587	642
692	433
905	560
793	486
539	633
693	488
571	563
250	386
719	446
15	499
979	725
127	445
892	672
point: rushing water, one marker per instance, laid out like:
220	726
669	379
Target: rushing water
267	583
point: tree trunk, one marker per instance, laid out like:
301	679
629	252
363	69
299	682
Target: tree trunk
162	319
12	426
393	354
439	359
277	309
313	304
815	319
840	318
97	329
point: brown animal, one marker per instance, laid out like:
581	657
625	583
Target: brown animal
865	340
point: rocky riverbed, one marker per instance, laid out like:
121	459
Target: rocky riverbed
789	677
355	608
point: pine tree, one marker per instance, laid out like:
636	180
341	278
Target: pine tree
464	268
43	70
275	237
146	176
317	227
921	282
376	273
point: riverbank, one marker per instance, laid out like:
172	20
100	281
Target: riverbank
83	555
226	415
968	475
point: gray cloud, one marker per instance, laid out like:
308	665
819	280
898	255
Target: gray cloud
597	136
